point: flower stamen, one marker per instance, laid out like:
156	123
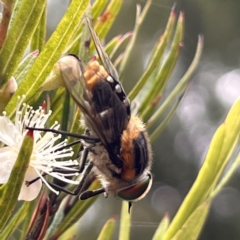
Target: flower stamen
45	151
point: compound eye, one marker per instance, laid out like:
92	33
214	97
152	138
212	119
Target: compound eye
137	191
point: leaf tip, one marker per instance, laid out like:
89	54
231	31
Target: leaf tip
181	16
173	10
30	133
35	53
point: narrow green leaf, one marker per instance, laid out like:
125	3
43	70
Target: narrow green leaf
18	37
158	130
18	217
76	128
71	233
112	44
75	214
139	20
123	41
200	189
9	192
125	222
65	112
51	53
105	22
232	124
232	129
107	230
159	234
6	8
227	177
118	60
6	14
180	86
28	213
98	8
24	66
193	226
16	7
39	36
165	71
216	159
156	54
56	105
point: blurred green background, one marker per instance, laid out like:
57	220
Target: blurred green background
180	150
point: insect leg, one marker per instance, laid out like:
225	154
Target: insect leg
86	171
91	193
82	164
68	145
83	159
79	187
28	183
88	139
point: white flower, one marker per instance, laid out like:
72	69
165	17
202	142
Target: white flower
43	158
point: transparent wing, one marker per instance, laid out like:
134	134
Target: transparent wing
101	52
72	70
102	110
105	107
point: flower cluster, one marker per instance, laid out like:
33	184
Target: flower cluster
44	155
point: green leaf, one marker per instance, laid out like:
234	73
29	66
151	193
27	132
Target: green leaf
76	128
201	187
158	130
73	216
98	8
123	41
156	55
39	36
220	150
159	233
230	172
9	192
180	88
105	22
29	208
51	53
193	226
165	71
6	7
65	112
18	37
139	20
232	125
18	217
125	222
93	13
25	66
107	230
112	44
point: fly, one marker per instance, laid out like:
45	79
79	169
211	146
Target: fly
115	143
